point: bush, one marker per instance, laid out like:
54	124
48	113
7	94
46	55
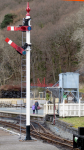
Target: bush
47	96
7	20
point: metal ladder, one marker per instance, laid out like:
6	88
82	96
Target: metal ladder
23	70
23	77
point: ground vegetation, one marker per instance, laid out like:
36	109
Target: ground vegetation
75	121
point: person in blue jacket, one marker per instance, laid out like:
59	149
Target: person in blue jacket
33	108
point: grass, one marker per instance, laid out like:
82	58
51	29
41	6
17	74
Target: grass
75	121
81	90
81	87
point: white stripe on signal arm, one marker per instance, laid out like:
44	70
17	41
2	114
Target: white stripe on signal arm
9	42
12	28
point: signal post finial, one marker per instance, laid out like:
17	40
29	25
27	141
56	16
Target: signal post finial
28	9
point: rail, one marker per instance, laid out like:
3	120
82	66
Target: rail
42	133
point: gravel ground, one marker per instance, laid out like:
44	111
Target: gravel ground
59	131
11	142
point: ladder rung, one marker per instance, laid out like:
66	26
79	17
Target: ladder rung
23	76
23	70
23	65
23	81
24	92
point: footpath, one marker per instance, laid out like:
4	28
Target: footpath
11	142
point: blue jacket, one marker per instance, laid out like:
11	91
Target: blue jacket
33	107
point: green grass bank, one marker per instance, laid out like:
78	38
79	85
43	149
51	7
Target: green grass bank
75	121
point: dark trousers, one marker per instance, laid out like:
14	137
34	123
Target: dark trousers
33	111
36	111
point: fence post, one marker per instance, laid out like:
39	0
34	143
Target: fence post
46	107
54	111
63	107
79	107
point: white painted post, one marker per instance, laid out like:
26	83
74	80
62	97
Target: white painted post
28	77
79	107
63	107
49	108
46	107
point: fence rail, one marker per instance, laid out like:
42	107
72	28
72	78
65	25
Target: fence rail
65	109
49	108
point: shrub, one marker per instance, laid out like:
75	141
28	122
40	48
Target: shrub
7	20
47	96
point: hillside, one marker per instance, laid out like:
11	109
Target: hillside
56	37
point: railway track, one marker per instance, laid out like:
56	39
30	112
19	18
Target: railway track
40	132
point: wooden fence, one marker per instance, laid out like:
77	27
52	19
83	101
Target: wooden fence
65	109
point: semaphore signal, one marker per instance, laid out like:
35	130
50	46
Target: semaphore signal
26	27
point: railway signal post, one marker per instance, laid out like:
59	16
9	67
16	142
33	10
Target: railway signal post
26	27
26	22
